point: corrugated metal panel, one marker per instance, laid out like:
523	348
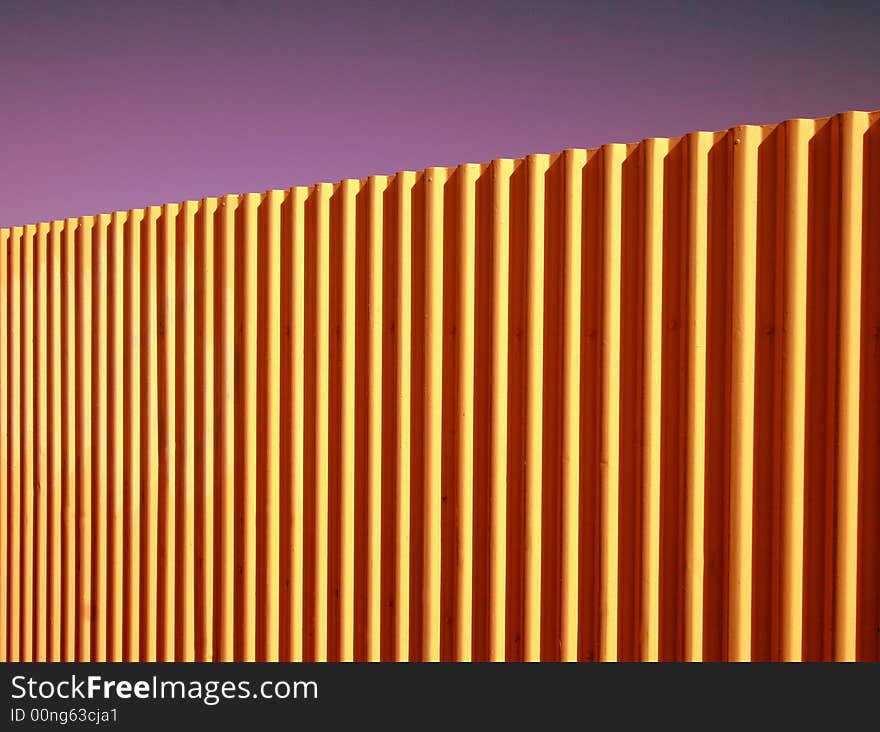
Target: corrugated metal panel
620	403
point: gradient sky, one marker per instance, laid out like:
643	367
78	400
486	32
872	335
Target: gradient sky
117	104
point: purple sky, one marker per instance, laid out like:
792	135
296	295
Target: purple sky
108	105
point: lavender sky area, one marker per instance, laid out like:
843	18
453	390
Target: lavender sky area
117	104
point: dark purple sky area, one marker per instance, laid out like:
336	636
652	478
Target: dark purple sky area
116	104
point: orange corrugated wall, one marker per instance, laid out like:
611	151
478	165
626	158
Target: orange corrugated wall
620	403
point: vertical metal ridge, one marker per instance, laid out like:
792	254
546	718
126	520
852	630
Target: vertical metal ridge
346	254
767	479
744	277
613	157
671	359
54	486
868	610
434	182
167	435
465	287
166	394
149	431
655	153
320	244
246	378
574	161
99	376
630	436
68	439
116	254
717	467
537	166
375	190
697	243
41	467
853	126
590	408
56	567
798	133
26	415
5	416
480	585
132	433
501	173
224	390
821	432
205	325
84	437
449	395
403	465
269	385
185	544
295	309
14	454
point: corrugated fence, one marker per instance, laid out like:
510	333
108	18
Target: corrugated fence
620	403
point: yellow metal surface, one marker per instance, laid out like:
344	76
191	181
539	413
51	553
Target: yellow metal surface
609	404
